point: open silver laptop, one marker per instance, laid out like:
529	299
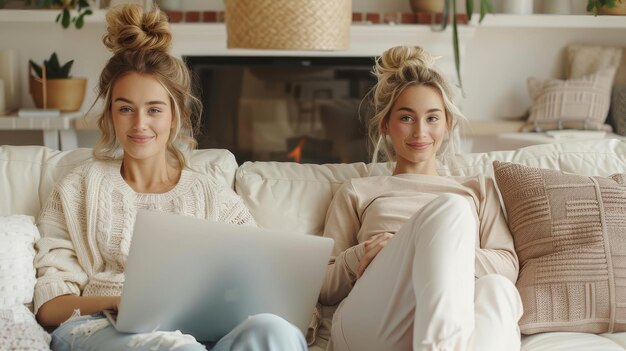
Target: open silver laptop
204	278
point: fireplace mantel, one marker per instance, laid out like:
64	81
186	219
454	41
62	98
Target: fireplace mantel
209	39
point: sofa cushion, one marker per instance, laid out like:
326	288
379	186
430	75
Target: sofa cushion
20	331
564	341
291	196
590	157
570	237
295	197
28	173
18	235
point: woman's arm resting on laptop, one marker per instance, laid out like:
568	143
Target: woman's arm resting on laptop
59	309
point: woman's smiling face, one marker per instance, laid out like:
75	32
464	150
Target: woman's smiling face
142	116
417	125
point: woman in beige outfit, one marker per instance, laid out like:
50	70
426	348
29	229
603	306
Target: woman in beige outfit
421	261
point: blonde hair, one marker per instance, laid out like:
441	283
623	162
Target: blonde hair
141	42
395	70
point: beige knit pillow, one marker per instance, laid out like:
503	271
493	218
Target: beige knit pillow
570	237
581	103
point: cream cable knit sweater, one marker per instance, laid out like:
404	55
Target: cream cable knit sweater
86	226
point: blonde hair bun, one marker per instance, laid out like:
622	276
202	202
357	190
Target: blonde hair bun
403	59
130	28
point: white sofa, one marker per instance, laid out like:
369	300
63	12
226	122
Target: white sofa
294	198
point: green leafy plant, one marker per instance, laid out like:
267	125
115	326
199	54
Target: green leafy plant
594	6
53	69
66	18
450	10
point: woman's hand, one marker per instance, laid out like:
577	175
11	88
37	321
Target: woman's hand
373	246
114	303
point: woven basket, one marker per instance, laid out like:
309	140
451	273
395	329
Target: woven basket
289	24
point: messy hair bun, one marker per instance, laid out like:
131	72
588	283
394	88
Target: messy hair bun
141	43
404	62
396	69
130	28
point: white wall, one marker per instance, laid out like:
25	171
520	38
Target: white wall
499	61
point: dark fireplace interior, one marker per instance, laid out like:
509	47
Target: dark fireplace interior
300	109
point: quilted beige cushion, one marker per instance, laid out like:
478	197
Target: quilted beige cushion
581	103
570	237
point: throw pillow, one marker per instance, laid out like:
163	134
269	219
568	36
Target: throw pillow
583	60
581	103
20	331
570	238
18	234
617	116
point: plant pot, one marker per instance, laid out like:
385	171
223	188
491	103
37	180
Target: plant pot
618	10
435	6
65	94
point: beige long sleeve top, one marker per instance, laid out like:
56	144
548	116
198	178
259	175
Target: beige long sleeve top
363	207
86	226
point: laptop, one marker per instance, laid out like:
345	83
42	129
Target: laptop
204	277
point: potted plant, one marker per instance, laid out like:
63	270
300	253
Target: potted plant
449	10
606	7
52	86
65	17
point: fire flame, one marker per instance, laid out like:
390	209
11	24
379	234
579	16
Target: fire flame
296	153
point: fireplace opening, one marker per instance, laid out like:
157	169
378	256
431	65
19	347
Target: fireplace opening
298	109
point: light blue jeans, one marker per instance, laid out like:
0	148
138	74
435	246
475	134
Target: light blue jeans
259	332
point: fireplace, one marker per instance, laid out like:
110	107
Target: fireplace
301	109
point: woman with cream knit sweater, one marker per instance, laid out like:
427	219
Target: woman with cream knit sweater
421	261
141	159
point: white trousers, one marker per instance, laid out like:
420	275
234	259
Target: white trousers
420	293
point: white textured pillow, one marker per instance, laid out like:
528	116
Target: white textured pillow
581	103
18	235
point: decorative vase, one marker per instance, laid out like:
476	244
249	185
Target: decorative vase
10	74
518	7
557	7
170	5
435	6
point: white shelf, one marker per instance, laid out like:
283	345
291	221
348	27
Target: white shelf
63	122
58	132
501	20
44	16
